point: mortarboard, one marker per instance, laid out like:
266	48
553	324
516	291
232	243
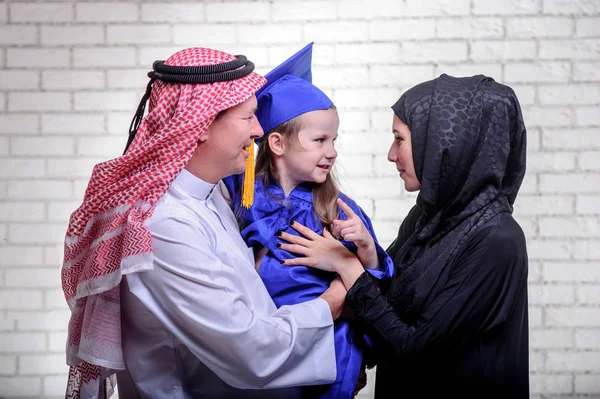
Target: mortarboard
289	91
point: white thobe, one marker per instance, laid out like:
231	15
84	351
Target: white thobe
201	324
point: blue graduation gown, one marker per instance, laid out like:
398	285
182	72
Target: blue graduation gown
288	285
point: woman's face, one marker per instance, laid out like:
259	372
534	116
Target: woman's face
401	154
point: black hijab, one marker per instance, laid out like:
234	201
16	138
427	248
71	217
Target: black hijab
469	145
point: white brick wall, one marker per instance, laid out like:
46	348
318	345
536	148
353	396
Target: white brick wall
72	73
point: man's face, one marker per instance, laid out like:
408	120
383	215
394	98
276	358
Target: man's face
230	135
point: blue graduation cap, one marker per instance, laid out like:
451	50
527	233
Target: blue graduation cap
289	91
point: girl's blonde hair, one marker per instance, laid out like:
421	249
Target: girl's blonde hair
324	194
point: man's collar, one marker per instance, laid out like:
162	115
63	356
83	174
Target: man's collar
193	185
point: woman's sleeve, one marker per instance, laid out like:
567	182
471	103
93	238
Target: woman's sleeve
484	283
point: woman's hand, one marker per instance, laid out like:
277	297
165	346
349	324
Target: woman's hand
321	252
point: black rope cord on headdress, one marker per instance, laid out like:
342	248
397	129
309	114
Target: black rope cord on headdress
226	71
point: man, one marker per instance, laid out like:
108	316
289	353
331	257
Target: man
192	317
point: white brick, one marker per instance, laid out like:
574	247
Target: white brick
20	255
106	12
8	365
549	249
302	10
353	121
80	187
386	231
569	94
173	12
71	80
492	70
586	71
400	75
322	55
472	27
47	233
43	146
384	53
74	167
106	100
402	30
537	72
21	299
551	384
61	211
585	250
526	95
581	227
3	146
392	8
587	338
563	139
587	384
101	146
17	167
57	340
39	101
138	34
529	226
573	361
41	12
73	123
580	49
530	184
354	166
570	183
43	364
127	79
7	325
98	57
55	385
54	255
18	34
571	272
48	320
587	27
2	102
40	189
575	7
37	58
433	8
363	98
378	187
240	12
536	362
258	34
55	299
150	54
69	35
118	122
589	161
22	343
393	209
539	27
551	294
572	316
503	50
534	272
588	294
22	211
511	7
189	34
338	77
588	204
587	116
20	386
544	205
3	12
360	143
339	31
19	80
19	123
432	51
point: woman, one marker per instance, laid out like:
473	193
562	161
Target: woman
454	318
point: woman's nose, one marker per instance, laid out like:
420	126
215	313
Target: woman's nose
392	155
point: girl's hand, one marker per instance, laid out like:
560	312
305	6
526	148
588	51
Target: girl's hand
321	252
353	229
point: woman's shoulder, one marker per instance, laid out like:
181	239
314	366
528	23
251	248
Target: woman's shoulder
501	235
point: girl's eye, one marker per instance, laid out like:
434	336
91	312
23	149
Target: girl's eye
320	140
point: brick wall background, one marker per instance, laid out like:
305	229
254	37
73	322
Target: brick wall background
72	73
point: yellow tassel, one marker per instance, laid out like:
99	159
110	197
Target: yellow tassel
248	188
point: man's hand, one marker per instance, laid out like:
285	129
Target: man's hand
335	296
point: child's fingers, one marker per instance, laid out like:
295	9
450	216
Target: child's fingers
347	210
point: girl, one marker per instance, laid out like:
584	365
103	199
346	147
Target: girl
295	183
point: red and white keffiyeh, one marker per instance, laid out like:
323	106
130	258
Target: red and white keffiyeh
107	236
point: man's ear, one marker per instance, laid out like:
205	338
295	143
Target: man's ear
276	143
204	136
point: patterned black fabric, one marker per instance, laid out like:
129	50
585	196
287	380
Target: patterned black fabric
469	148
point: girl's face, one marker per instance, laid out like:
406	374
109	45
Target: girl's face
401	154
310	157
